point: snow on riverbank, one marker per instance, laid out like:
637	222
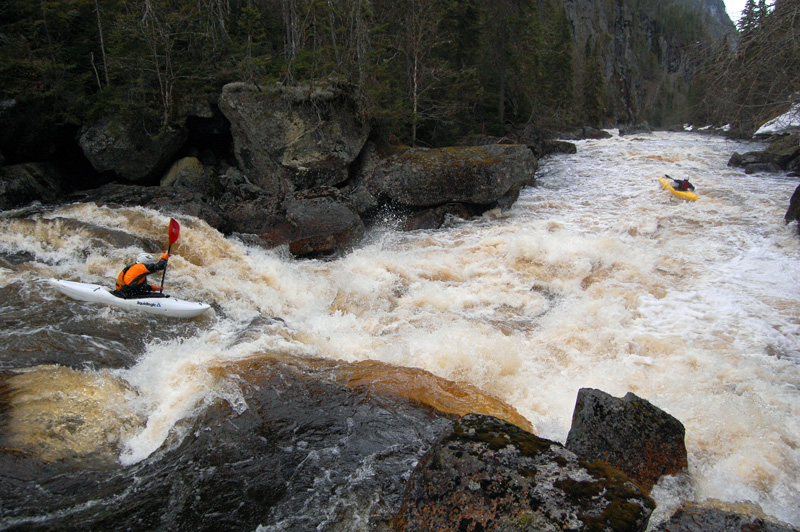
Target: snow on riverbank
788	122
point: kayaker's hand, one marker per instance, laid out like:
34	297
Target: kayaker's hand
165	256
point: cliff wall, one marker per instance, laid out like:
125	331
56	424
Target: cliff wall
649	51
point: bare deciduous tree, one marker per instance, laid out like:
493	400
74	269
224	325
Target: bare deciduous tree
761	76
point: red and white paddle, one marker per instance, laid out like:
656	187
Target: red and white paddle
174	232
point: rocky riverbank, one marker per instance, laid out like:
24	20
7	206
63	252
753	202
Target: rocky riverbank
285	165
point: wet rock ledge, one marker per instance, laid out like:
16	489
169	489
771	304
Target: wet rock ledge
324	445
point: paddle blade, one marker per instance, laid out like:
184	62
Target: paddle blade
174	231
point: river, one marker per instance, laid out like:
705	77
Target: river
596	277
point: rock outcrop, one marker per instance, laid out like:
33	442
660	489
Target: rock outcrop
486	474
126	151
189	173
629	433
21	184
782	155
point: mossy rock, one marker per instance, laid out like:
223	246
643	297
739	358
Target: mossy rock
487	474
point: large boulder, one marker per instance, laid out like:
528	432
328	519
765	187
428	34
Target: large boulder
783	154
21	184
293	138
126	150
629	433
314	221
793	168
743	160
550	146
486	474
248	208
635	129
479	175
585	132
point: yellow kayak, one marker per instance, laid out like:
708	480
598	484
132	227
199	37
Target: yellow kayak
682	194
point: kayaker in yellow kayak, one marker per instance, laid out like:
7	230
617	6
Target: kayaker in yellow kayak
680	184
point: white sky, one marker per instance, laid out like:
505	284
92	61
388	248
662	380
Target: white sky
734	9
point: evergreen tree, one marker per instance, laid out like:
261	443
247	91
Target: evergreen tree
749	18
557	63
594	94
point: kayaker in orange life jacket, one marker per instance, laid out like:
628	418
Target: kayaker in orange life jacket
132	281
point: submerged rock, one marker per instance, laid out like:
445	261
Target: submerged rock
629	433
169	199
585	132
768	168
715	516
488	475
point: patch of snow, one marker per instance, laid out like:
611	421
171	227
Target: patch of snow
788	122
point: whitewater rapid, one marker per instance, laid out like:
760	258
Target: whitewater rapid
596	277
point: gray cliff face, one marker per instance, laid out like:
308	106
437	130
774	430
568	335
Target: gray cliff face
649	51
719	21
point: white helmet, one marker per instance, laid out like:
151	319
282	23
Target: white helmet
144	258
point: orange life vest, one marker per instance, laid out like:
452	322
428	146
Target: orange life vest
136	274
133	275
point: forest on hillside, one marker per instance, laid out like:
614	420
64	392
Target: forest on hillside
425	72
756	79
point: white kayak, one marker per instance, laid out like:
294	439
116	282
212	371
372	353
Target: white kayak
161	306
